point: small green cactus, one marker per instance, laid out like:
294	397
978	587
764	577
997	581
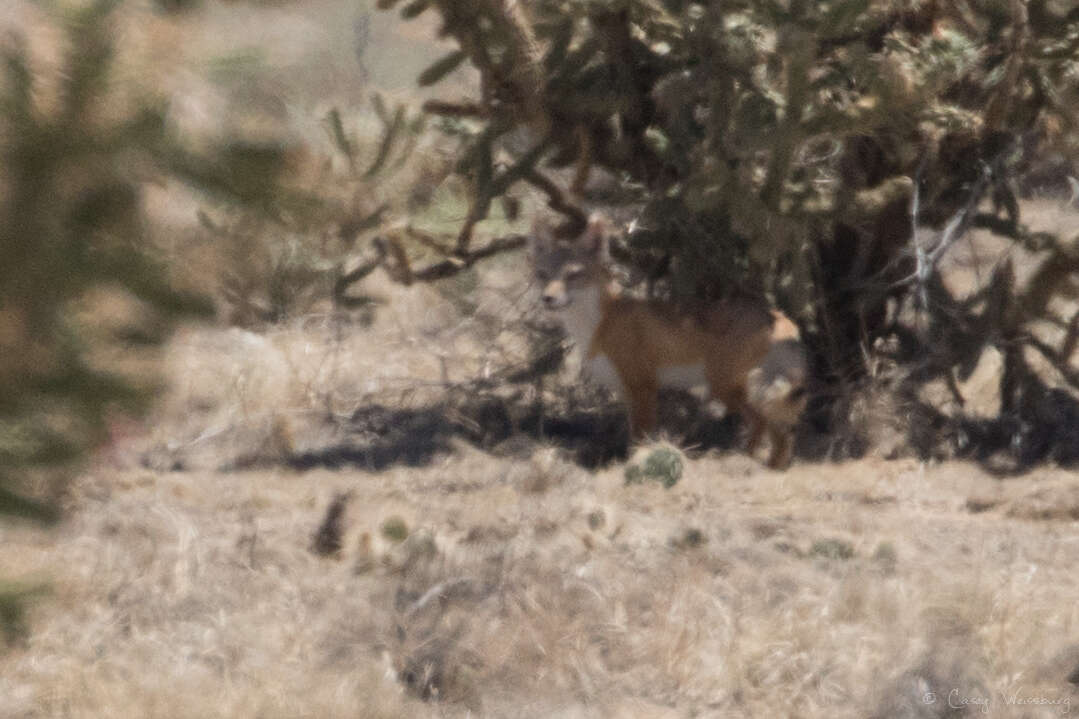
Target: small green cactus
832	549
395	529
663	465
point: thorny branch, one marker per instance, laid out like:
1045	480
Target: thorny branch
388	253
927	258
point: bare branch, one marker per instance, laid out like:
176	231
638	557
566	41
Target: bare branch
344	281
477	211
455	109
957	226
1055	359
915	211
400	269
428	241
458	262
498	246
489	186
558	202
1067	348
351	228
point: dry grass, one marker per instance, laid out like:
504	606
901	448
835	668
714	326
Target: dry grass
243	397
843	591
518	583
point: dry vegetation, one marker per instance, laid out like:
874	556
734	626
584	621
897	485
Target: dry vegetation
498	577
489	560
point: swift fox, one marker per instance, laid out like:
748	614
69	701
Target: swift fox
749	356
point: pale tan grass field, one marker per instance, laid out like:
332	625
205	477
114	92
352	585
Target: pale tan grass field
184	585
824	591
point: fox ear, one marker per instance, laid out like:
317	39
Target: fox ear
595	235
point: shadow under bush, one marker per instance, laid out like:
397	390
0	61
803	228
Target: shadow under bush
582	422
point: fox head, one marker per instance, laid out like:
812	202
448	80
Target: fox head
564	268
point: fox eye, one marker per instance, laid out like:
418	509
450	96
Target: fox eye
543	275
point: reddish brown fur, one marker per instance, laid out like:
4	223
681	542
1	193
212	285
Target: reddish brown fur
640	338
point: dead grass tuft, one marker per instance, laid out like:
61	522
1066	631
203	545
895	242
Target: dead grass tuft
1058	502
327	540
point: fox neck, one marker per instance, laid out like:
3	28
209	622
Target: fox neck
583	315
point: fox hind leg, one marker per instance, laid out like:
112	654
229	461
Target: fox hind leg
757	427
734	399
641	396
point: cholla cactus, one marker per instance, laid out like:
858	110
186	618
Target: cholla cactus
79	281
777	148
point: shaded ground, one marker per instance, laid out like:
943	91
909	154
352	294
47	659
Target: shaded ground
588	426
